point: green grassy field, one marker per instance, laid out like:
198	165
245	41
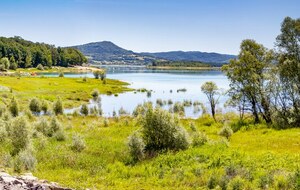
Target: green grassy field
255	157
251	156
73	91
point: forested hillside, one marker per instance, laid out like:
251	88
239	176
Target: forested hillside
23	54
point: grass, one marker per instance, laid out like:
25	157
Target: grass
73	91
256	157
105	164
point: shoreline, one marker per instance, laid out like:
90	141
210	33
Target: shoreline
183	68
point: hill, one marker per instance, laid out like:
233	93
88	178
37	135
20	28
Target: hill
106	52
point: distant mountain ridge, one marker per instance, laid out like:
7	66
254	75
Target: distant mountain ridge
192	56
106	52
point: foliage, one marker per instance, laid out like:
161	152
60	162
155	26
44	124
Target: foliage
4	64
28	54
84	110
210	89
226	132
161	131
95	94
35	105
19	134
136	147
40	67
25	160
250	83
14	107
58	107
78	143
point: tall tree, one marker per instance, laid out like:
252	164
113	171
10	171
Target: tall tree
249	79
288	85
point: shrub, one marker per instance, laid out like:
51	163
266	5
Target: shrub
58	107
97	74
13	66
61	74
14	107
212	181
170	102
4	63
199	139
102	75
25	160
35	106
78	143
187	103
19	134
161	131
3	131
104	81
95	94
106	122
159	102
136	147
236	183
84	110
84	79
60	135
226	132
40	67
55	125
44	106
43	126
122	111
178	108
149	94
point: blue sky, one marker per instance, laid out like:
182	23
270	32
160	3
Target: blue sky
148	25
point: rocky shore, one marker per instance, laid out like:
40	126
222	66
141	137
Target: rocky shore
26	182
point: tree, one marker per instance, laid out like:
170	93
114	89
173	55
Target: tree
4	63
211	90
249	79
35	106
19	134
58	107
84	110
14	107
287	93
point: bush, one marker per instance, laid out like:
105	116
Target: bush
43	126
35	106
44	106
3	131
199	139
78	143
178	108
60	135
40	67
97	74
122	111
159	102
84	110
61	74
13	66
226	132
236	183
58	107
136	147
14	107
95	94
4	63
102	75
55	125
106	122
19	135
161	131
25	160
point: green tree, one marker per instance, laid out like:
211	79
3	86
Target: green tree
84	110
288	81
14	107
19	134
35	106
211	90
58	107
4	63
250	80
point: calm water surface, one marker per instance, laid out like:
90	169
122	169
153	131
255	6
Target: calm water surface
163	83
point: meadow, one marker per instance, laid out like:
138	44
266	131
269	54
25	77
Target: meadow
256	156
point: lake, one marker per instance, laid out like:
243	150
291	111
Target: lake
163	83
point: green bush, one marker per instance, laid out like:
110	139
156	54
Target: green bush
55	125
19	134
14	107
78	143
60	135
161	131
35	106
95	94
136	147
40	67
58	107
236	183
178	108
84	110
61	74
3	131
43	126
199	139
25	160
226	132
97	74
44	106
